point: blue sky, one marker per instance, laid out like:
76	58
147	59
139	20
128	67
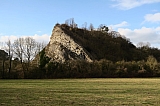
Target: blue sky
138	20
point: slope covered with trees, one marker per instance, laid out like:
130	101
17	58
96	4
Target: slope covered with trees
110	45
113	55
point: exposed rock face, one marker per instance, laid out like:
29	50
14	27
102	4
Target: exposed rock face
62	47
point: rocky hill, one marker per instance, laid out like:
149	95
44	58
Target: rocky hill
62	47
86	53
72	43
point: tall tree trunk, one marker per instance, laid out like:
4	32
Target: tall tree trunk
10	66
3	67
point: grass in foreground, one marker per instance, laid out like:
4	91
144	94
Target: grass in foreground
85	92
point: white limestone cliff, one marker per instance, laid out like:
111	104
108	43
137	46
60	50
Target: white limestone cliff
62	47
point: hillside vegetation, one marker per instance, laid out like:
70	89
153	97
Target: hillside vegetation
113	55
109	45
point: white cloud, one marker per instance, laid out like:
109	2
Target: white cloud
152	18
158	30
5	38
143	34
42	38
129	4
39	31
39	38
120	25
154	10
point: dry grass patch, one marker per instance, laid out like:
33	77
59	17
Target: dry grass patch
85	92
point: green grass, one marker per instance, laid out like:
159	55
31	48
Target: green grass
83	92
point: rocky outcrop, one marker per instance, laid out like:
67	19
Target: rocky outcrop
62	47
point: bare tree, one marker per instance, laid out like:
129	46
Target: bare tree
18	49
100	28
91	27
103	28
67	22
85	26
9	49
32	48
29	50
40	47
70	22
114	34
143	45
26	50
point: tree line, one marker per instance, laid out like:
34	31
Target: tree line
101	43
113	55
18	55
96	69
83	69
101	69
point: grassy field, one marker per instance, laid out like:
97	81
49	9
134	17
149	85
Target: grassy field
84	92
